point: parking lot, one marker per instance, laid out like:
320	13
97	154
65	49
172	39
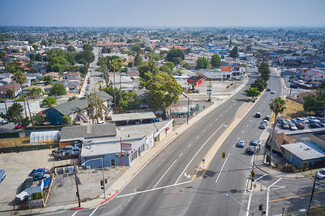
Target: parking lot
18	166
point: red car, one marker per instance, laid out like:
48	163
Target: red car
300	125
18	126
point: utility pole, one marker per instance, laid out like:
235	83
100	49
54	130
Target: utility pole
76	180
253	173
188	108
312	193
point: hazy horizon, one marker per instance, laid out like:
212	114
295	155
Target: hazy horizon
164	14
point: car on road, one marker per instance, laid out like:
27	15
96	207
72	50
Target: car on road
2	175
292	126
314	125
258	115
321	174
18	127
273	92
254	142
300	125
268	89
263	125
250	150
241	144
267	118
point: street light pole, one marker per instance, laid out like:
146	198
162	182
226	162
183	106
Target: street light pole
188	108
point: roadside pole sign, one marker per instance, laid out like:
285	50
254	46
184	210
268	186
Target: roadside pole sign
203	160
209	89
126	147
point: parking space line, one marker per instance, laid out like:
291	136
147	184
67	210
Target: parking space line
180	155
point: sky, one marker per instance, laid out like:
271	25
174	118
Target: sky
163	13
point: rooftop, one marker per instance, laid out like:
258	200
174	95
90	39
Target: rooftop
305	150
133	116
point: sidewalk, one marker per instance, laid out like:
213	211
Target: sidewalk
135	167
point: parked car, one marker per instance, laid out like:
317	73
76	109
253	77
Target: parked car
18	127
313	119
241	144
285	125
3	122
258	115
322	124
300	125
292	126
303	120
273	92
321	174
2	175
250	150
293	121
255	142
268	89
314	125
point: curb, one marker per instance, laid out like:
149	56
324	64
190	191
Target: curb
109	198
78	208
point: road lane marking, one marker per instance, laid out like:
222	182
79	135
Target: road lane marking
242	132
237	138
189	145
260	177
75	213
210	125
221	115
268	196
249	204
154	189
224	163
216	119
204	130
164	174
250	120
197	137
197	154
180	154
94	211
295	196
246	126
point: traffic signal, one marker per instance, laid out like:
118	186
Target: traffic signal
223	154
260	207
253	174
101	183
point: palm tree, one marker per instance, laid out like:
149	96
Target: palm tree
115	65
104	70
278	105
20	78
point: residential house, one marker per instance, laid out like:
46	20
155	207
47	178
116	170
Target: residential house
13	86
77	110
279	140
311	75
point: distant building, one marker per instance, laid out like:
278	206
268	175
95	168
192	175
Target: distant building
311	75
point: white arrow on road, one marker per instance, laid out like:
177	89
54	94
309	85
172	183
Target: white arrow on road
187	176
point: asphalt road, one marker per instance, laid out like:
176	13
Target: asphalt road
164	186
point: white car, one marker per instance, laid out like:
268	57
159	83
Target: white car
241	144
321	174
292	126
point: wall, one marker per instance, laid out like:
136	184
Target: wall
318	141
107	161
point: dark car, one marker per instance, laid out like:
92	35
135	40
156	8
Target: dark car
267	118
314	125
250	150
258	115
300	125
268	89
285	125
255	142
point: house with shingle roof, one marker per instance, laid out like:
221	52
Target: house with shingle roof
77	110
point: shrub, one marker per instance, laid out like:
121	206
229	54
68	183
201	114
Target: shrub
290	168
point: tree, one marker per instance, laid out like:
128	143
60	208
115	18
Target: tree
67	120
234	52
202	63
165	69
175	56
10	93
215	60
35	47
137	60
20	78
32	57
83	70
278	105
163	90
72	98
264	71
171	65
87	47
38	119
58	89
187	66
115	65
95	106
49	101
106	50
71	49
35	92
252	92
14	113
260	84
313	103
85	57
136	48
46	79
38	57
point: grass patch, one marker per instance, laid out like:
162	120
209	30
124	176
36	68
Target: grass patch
294	110
317	211
12	142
